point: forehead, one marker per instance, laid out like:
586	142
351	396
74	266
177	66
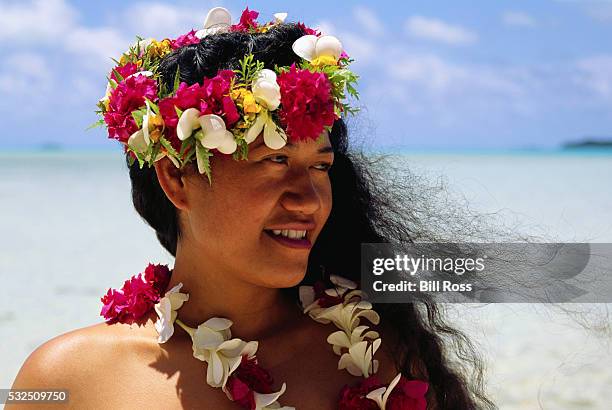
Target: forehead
321	145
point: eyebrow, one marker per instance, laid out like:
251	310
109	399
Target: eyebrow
327	148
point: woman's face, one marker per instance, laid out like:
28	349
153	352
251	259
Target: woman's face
260	217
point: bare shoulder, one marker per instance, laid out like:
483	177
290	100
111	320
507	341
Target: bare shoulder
74	361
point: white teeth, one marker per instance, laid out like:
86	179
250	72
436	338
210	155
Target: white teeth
290	233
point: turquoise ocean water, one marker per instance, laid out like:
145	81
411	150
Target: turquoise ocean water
70	232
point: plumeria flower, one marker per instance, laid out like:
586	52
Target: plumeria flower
166	310
274	136
346	316
324	50
268	401
217	20
212	344
341	339
358	361
266	90
212	135
381	395
279	18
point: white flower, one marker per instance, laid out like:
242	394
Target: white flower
214	135
217	20
166	310
381	395
310	47
266	90
345	316
211	344
274	136
268	401
341	339
279	18
358	361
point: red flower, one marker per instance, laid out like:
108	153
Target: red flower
307	104
158	276
128	96
249	377
354	398
308	30
247	21
124	71
184	40
323	299
137	296
212	97
408	395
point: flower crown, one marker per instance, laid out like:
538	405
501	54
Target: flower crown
228	111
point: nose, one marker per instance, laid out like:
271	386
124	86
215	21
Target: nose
301	195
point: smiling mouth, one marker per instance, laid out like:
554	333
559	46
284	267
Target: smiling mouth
290	238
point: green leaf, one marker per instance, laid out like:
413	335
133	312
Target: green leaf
177	79
118	76
179	112
96	124
202	157
169	147
137	115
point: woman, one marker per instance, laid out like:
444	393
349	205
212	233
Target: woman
251	233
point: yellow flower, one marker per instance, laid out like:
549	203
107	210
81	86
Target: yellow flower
159	48
238	93
324	60
249	104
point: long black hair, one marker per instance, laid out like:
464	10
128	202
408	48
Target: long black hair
369	206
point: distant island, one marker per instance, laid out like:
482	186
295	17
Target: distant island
589	143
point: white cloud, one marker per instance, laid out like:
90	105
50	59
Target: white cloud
438	30
368	20
596	74
162	20
97	44
36	22
518	18
24	74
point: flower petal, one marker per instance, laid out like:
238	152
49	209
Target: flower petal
305	47
307	295
211	123
328	46
253	132
137	142
187	123
218	323
343	282
228	144
262	400
274	136
217	17
280	17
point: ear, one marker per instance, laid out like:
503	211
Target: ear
171	181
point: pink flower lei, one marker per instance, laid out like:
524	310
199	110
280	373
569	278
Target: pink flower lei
248	383
225	113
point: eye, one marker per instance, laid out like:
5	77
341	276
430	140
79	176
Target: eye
323	167
277	159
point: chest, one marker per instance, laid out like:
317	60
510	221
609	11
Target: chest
174	379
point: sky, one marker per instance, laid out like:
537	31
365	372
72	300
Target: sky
442	75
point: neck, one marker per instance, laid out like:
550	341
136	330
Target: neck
256	312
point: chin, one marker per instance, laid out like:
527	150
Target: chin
286	277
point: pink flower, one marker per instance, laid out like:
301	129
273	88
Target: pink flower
249	377
184	40
408	395
247	21
124	71
137	296
129	95
307	104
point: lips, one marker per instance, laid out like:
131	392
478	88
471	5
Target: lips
295	243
